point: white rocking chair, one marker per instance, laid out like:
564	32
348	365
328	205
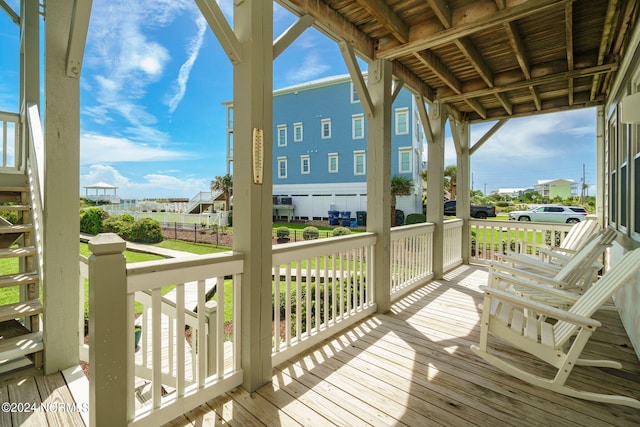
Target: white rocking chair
515	320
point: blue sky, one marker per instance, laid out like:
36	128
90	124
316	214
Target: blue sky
152	122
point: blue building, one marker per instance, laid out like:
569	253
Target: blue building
320	148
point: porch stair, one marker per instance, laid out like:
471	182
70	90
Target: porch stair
21	343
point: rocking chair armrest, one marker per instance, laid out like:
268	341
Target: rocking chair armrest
540	308
529	262
554	253
531	285
529	275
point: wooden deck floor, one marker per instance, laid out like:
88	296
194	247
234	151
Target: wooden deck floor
413	367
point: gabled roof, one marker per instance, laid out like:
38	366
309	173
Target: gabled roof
555	181
102	185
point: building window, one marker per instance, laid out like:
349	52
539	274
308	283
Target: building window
404	160
297	132
326	128
357	126
402	121
282	167
359	167
282	135
305	165
354	95
333	162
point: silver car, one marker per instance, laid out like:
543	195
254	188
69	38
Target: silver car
562	214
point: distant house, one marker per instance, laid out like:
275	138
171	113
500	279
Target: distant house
511	192
320	148
102	192
552	188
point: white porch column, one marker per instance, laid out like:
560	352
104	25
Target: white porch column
379	178
601	173
435	183
252	97
62	188
461	135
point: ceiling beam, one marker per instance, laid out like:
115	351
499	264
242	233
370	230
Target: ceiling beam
475	59
411	80
386	16
517	85
506	104
442	11
481	19
568	24
431	61
291	34
605	43
477	107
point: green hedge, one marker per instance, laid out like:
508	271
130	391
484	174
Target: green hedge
146	230
415	218
91	220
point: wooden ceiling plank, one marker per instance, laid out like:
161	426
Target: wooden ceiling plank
506	104
442	11
439	69
568	19
480	22
473	56
550	78
518	47
414	82
387	17
604	42
477	107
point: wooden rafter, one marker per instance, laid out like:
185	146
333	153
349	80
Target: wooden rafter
387	17
568	19
482	19
442	11
439	69
520	51
605	43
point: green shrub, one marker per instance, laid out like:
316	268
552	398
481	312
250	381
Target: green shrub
11	216
121	225
310	233
416	218
502	204
282	232
146	230
91	220
230	219
341	231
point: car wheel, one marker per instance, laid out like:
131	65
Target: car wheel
524	218
481	215
573	221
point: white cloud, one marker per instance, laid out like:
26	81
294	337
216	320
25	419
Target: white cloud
106	149
152	186
311	67
183	77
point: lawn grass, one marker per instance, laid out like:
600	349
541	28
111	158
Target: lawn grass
194	248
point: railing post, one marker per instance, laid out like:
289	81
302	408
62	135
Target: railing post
108	333
211	310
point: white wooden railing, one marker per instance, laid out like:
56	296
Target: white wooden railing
172	371
452	244
411	257
320	287
35	178
10	153
489	238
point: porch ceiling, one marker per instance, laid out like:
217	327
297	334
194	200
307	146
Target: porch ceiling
488	59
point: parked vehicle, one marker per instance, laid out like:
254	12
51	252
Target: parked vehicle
561	214
479	212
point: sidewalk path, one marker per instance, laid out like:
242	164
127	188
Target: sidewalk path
147	249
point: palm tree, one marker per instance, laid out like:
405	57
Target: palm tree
225	185
450	172
400	186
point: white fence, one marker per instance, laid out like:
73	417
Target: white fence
319	288
411	257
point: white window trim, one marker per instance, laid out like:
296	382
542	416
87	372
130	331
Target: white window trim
402	111
302	159
364	162
322	123
402	150
353	91
283	142
355	118
286	168
329	157
295	135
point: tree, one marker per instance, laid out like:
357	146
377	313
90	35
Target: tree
400	186
223	184
450	181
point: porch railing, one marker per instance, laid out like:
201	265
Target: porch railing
319	288
185	357
411	257
489	238
10	154
452	244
